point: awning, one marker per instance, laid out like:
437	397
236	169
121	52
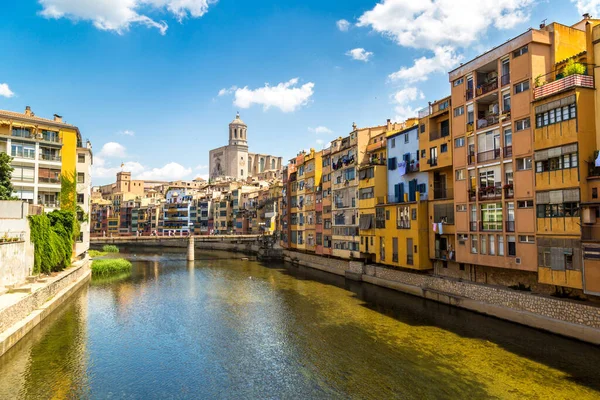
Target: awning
366	221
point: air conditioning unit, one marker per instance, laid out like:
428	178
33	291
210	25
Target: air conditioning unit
518	260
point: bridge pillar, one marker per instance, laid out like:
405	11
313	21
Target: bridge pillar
190	252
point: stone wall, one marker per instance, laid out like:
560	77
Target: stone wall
16	258
16	312
333	265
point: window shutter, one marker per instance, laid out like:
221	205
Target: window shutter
542	198
570	148
571	195
556	197
541	155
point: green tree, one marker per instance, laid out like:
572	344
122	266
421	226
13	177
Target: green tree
68	192
6	187
573	68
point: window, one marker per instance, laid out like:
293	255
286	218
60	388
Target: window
80	158
457	82
474	245
403	217
393	143
483	248
512	246
382	248
444	148
492	239
366	193
395	249
506	102
523	163
460	142
594	193
460	174
392	163
526	239
522	124
422	127
461	207
462	238
458	111
380	218
80	177
520	87
80	198
520	52
406	136
555	115
423	153
242	172
570	210
491	216
525	204
564	161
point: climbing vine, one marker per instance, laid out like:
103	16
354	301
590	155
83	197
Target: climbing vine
52	237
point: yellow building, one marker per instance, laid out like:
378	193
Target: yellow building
42	151
401	220
312	169
435	146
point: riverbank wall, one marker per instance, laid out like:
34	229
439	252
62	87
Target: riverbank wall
21	312
561	316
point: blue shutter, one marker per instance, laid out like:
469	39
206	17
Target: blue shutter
397	192
412	189
401	193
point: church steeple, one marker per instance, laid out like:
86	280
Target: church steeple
237	132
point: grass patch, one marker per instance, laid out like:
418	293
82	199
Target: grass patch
96	253
108	266
108	279
110	248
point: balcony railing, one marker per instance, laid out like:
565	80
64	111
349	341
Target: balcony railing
590	233
487	87
471	159
473	226
469	94
470	126
488	155
490	226
505	79
409	260
432	162
509	192
489	120
442	193
434	135
561	84
49	157
472	193
23	154
508	151
43	179
490	193
510	226
443	255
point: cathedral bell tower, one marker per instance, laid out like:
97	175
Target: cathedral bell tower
237	132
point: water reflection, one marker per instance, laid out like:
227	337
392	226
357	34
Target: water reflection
221	327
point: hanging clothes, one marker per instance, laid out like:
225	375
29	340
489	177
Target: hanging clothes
402	167
597	163
441	228
435	227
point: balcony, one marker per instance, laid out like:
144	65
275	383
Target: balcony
508	151
23	154
509	192
469	94
443	255
505	80
489	120
490	193
488	155
471	159
590	233
490	226
50	157
442	193
487	87
437	134
563	83
510	226
472	193
432	162
50	180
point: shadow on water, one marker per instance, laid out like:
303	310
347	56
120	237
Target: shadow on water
570	356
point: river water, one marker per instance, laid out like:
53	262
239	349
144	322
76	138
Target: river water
221	327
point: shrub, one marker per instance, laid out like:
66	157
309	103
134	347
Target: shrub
573	68
110	266
96	253
110	248
52	236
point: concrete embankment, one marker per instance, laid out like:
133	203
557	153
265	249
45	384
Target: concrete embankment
21	312
564	317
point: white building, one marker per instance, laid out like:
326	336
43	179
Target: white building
235	162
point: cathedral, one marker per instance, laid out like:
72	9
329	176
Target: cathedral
235	162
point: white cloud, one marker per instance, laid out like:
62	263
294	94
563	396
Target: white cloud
588	6
112	150
201	167
171	171
402	98
359	54
444	59
432	23
320	130
343	25
5	90
320	141
286	96
120	15
224	91
103	170
127	132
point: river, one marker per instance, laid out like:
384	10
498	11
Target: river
222	327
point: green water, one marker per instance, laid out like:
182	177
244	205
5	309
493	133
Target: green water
225	328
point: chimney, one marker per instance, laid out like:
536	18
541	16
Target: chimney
57	118
28	111
389	124
587	16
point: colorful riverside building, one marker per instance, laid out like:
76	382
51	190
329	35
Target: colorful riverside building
312	166
323	227
435	146
401	219
372	187
497	137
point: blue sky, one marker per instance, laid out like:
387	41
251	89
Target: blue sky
142	78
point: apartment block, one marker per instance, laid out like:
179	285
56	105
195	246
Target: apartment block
323	226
